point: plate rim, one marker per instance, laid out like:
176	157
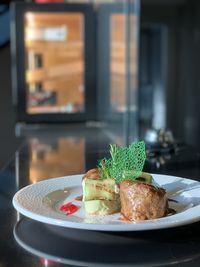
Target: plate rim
135	226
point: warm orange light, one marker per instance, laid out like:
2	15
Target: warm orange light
30	19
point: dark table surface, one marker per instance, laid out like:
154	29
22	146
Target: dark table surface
48	153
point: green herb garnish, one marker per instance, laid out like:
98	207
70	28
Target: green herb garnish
103	169
126	163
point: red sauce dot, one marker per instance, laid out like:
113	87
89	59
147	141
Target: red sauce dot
68	208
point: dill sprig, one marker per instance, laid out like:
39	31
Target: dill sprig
103	169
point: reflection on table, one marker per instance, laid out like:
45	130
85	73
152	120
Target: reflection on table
90	248
63	156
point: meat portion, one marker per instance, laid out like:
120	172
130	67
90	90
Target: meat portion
141	201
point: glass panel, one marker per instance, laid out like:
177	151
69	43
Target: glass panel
54	44
132	71
117	75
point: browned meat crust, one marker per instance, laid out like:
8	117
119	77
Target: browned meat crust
140	201
92	174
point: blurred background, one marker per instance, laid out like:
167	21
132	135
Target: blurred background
88	62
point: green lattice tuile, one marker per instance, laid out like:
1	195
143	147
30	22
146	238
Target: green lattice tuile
126	163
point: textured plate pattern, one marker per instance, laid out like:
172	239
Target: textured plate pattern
41	202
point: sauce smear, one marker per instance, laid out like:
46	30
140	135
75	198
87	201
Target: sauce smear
79	198
69	208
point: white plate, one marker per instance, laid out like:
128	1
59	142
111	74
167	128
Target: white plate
41	202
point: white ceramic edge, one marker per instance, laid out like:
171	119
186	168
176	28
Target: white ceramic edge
141	226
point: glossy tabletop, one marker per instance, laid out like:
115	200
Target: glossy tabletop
48	153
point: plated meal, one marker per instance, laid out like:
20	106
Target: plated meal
118	185
116	195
